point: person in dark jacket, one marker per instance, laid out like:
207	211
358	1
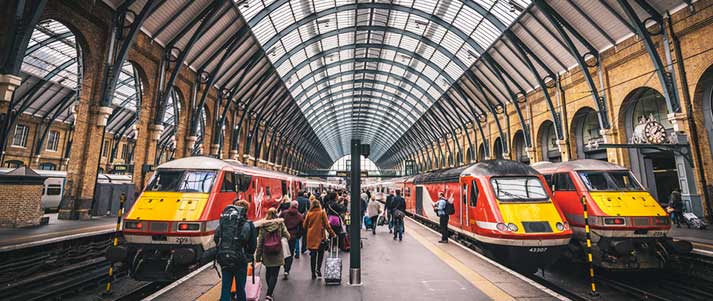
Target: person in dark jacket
398	204
390	210
293	221
676	203
239	273
335	209
302	207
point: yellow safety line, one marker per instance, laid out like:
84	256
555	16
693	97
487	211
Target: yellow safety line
475	278
703	245
212	294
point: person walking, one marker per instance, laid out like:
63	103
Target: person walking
676	203
440	208
284	204
302	207
293	221
234	251
390	210
269	248
315	223
398	205
373	210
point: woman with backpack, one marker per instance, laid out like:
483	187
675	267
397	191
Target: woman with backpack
315	224
269	248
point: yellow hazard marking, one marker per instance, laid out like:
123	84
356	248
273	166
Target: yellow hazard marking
594	287
212	294
589	243
483	284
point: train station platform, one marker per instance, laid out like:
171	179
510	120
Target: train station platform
702	240
417	268
56	230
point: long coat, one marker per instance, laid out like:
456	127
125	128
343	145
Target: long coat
314	224
265	227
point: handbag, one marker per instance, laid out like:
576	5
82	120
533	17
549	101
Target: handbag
286	248
324	244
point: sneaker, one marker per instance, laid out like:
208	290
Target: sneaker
390	230
297	256
401	238
319	275
314	276
268	298
286	275
443	241
394	237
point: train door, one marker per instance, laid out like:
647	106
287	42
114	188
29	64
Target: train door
419	200
283	186
474	196
564	193
464	194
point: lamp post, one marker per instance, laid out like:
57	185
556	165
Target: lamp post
357	150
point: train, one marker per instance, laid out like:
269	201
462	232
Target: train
503	207
169	230
628	226
55	184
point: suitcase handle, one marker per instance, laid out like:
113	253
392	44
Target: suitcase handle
331	247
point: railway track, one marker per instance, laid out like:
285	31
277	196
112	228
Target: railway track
54	270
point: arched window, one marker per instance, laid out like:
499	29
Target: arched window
126	104
167	140
548	143
498	148
481	153
14	164
197	148
519	146
587	133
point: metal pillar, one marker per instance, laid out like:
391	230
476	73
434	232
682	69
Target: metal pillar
355	227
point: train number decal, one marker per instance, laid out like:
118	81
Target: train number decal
538	250
182	240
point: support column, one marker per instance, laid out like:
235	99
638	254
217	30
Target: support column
613	154
531	154
355	228
684	167
190	143
564	151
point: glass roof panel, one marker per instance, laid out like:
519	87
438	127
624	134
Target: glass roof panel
415	48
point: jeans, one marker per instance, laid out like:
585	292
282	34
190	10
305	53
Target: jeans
304	242
677	217
315	260
294	250
240	276
443	221
398	227
271	278
390	218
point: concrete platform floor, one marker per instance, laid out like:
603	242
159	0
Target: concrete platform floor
418	268
56	229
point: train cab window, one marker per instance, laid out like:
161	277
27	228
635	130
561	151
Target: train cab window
283	185
474	194
53	189
562	182
182	181
518	189
228	182
548	179
243	182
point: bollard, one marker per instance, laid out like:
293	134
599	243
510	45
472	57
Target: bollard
115	243
593	291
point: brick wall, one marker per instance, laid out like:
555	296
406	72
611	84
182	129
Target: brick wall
20	205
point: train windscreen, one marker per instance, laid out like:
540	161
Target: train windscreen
182	181
518	189
619	180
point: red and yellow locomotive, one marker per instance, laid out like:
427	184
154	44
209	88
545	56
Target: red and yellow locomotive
503	206
170	227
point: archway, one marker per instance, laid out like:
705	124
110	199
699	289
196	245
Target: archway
121	132
200	132
166	147
518	143
586	131
703	101
481	153
548	143
51	74
468	156
655	168
498	148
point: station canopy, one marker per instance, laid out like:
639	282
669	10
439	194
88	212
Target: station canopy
369	69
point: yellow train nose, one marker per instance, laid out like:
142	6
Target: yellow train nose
169	206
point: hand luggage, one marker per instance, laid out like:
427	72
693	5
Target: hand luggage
344	243
381	220
333	267
693	221
367	222
253	286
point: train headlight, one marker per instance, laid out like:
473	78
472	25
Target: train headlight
512	227
617	221
502	227
133	225
560	226
189	226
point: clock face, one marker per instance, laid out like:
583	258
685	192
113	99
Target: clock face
655	132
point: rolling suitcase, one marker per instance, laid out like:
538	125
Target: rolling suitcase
333	267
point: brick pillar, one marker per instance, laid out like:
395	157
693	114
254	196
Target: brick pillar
531	154
8	84
564	151
609	136
190	143
214	149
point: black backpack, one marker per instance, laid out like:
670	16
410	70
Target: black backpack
235	231
450	210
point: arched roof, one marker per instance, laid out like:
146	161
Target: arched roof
354	67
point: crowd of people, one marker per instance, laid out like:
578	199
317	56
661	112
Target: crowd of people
312	223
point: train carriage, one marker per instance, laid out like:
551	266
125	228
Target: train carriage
171	225
628	227
503	206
